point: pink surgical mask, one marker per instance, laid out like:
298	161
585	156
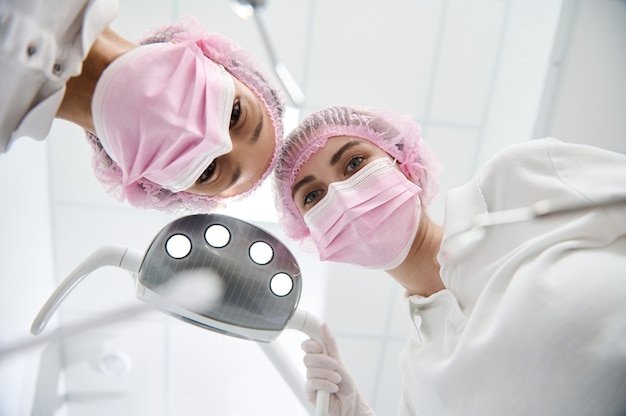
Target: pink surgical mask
368	220
162	112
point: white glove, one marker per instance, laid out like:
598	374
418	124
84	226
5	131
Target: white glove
326	372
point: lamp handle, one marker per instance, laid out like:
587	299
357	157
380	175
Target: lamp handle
124	257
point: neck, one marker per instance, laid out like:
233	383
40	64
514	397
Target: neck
419	273
76	104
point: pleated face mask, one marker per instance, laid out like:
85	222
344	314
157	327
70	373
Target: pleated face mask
162	112
368	220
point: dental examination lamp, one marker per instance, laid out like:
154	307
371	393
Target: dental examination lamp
251	284
255	8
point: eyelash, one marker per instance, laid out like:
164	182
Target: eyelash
313	196
308	198
355	168
235	114
208	173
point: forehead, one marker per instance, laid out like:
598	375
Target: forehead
324	153
322	157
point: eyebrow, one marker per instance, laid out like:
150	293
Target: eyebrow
342	150
259	126
234	178
333	161
304	181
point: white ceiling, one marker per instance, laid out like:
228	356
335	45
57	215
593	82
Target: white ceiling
472	72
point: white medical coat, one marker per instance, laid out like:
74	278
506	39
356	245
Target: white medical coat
534	321
42	44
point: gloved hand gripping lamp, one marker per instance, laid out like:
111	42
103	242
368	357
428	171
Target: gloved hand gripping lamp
257	277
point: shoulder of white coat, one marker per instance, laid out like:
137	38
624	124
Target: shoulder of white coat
497	184
517	153
593	174
588	169
515	175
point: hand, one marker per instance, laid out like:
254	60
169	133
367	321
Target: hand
326	372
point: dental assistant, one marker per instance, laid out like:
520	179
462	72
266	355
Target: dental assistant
184	120
532	322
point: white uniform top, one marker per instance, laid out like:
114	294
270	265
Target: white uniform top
42	44
534	321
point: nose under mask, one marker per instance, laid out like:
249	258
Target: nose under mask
368	220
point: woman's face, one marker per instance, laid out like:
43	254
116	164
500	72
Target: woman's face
339	159
252	136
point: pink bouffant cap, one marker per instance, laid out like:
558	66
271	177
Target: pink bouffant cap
396	134
162	114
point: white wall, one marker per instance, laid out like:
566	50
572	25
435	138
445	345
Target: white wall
26	264
585	96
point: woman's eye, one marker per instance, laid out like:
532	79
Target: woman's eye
235	114
311	197
354	163
208	172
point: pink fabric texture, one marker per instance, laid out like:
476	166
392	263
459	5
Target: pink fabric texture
396	134
149	194
162	112
368	220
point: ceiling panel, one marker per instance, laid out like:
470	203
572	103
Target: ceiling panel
112	371
373	53
216	374
467	60
352	296
289	26
135	17
71	177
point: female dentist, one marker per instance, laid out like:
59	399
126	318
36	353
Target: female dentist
531	323
182	121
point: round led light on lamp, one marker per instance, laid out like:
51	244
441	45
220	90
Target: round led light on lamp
178	246
281	284
217	236
261	252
